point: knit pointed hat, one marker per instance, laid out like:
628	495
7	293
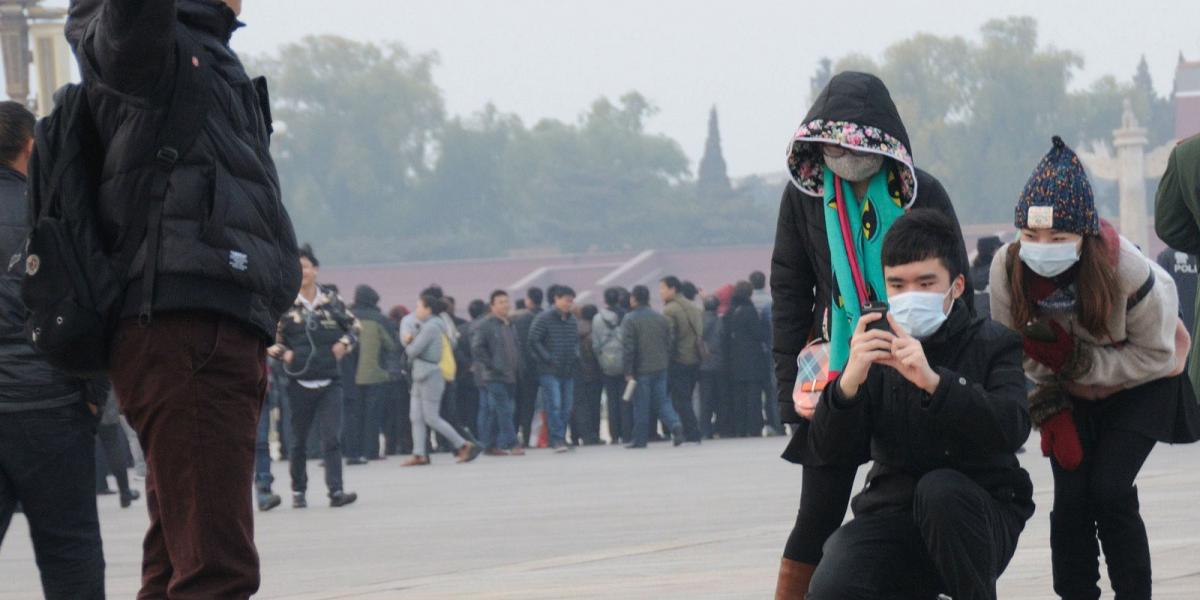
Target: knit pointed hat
1058	195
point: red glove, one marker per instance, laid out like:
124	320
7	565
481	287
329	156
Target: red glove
1054	354
1060	438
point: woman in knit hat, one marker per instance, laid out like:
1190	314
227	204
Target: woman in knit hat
1105	349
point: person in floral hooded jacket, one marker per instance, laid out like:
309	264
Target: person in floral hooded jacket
853	175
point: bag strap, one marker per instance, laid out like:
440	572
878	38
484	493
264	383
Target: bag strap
1141	292
847	241
186	115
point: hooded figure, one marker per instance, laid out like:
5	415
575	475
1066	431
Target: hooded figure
853	135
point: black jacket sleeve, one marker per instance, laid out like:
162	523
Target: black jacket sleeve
133	44
629	345
539	334
481	351
793	290
841	427
988	417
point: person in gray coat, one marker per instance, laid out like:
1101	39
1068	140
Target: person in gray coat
425	351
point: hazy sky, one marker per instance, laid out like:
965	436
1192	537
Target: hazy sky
752	58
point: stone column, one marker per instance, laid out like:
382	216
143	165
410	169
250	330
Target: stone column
1130	143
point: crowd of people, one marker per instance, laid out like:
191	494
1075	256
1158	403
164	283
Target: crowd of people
540	372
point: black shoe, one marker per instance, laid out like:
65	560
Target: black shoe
677	435
127	498
374	458
105	492
635	446
340	498
268	501
298	500
356	461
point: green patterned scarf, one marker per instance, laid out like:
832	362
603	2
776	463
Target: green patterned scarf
869	221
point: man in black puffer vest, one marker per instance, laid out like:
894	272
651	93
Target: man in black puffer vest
192	378
47	455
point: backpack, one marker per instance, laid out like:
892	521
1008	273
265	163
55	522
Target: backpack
447	364
612	354
74	283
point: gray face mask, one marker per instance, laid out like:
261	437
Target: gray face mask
855	168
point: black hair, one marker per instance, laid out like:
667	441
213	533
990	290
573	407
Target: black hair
588	312
559	291
306	251
624	301
758	280
477	308
434	290
535	297
16	129
520	304
671	281
986	248
712	303
641	293
742	292
496	294
435	303
922	234
688	289
612	296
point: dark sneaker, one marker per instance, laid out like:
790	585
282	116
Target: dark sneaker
339	499
268	501
298	500
677	434
356	461
635	446
127	498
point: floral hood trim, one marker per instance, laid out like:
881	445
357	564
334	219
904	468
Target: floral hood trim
805	160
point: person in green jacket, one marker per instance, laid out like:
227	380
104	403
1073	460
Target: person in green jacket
374	343
686	322
1177	218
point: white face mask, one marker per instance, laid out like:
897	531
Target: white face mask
1049	260
855	168
921	314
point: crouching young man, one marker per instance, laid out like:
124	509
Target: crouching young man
936	397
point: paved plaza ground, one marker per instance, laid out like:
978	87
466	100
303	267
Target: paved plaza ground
692	522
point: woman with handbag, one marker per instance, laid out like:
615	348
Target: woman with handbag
1106	351
425	351
852	176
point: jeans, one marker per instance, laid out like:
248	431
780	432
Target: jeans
47	459
714	413
376	399
682	383
1098	499
324	407
651	389
354	420
192	385
496	406
957	540
425	414
619	424
585	422
559	396
262	452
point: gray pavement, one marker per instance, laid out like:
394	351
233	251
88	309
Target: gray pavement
692	522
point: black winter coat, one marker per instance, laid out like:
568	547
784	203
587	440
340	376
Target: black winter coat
554	344
745	344
311	334
27	382
493	361
802	283
974	422
227	241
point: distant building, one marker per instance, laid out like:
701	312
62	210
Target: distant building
1187	99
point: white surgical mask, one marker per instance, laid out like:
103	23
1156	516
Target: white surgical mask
1049	260
855	168
921	314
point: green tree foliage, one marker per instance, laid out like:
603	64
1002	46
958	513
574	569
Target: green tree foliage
981	113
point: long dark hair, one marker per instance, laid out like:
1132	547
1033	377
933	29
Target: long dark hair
1097	287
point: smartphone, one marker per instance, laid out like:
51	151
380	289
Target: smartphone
1039	331
881	323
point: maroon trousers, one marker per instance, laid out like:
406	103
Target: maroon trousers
192	385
